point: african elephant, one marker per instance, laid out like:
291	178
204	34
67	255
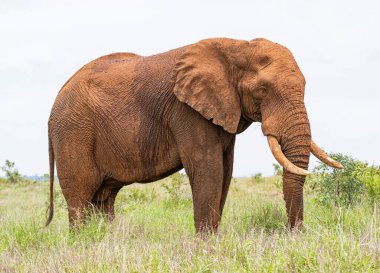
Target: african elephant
125	118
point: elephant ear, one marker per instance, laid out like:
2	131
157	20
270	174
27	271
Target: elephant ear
202	80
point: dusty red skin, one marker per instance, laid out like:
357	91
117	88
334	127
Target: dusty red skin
125	118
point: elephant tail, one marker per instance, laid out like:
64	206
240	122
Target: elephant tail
51	167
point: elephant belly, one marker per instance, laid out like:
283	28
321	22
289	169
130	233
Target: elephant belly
131	157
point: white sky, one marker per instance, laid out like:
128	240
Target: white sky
336	44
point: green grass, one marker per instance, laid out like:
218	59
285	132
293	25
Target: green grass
154	232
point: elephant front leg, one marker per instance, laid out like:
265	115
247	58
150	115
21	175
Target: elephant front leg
228	162
207	192
206	180
200	147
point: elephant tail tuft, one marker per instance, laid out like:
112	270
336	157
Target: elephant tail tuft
51	167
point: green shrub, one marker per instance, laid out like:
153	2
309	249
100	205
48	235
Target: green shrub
278	172
174	187
340	187
11	173
257	178
138	195
141	195
370	175
310	184
277	169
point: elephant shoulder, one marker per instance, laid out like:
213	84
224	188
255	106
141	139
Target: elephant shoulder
104	62
115	57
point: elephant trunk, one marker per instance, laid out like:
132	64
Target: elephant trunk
295	143
289	137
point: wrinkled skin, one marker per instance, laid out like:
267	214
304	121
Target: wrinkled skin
125	118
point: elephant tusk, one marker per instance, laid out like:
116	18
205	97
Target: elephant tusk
324	157
281	158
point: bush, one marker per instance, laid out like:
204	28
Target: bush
174	187
277	169
346	186
278	172
257	178
11	173
138	195
370	175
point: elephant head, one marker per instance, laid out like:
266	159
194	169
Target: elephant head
232	81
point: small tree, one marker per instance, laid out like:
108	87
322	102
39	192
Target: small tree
257	178
340	186
370	175
278	176
46	177
174	187
11	172
277	169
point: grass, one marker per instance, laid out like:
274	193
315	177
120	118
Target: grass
154	232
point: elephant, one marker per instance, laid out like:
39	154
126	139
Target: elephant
125	118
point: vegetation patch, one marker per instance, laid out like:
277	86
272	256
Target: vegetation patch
154	228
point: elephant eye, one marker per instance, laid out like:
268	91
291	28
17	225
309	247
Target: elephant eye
260	93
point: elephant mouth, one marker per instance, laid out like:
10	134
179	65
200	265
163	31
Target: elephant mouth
289	166
255	115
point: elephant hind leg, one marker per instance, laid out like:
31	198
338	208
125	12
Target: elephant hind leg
79	184
78	173
78	193
104	200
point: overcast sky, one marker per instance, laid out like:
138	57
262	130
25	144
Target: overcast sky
336	44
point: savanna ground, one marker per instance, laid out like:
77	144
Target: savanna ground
153	232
